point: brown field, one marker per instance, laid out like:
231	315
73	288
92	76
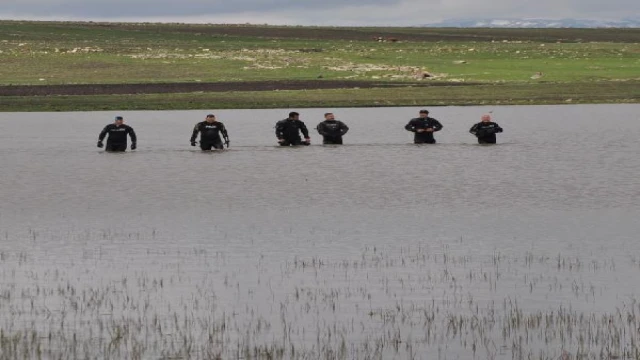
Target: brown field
164	88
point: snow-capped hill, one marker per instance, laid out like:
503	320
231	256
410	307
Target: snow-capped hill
538	23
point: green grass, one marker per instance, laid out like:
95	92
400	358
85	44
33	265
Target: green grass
499	94
483	62
34	51
38	53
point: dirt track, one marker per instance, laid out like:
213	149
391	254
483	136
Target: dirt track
366	34
290	32
163	88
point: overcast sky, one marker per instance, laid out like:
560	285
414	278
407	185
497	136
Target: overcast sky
314	12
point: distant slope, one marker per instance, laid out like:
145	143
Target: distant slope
47	31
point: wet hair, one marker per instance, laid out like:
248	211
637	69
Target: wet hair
211	116
424	111
325	114
293	113
119	118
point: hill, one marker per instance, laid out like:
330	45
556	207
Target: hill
537	23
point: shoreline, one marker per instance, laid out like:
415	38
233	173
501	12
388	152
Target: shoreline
292	94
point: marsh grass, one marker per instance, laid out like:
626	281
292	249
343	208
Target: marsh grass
429	301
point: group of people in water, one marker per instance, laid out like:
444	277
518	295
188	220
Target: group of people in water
214	135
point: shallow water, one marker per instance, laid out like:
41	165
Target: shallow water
369	250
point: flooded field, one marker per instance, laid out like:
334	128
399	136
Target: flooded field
379	249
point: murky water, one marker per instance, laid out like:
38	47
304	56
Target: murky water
375	249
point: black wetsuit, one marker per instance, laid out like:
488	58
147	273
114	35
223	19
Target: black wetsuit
289	130
209	135
423	123
117	140
486	132
332	131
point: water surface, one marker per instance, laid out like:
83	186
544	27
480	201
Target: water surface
342	251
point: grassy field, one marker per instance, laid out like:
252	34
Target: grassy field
548	65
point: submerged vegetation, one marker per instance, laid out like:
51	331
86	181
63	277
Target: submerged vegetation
427	301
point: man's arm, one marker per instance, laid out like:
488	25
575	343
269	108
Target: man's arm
436	125
303	129
103	133
279	130
321	129
225	135
343	128
223	131
474	129
498	128
132	135
196	130
411	126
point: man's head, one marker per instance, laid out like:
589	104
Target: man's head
210	118
486	118
119	120
329	116
294	115
424	113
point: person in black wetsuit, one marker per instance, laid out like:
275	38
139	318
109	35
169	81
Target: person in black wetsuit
210	130
486	130
332	130
117	140
288	131
423	127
